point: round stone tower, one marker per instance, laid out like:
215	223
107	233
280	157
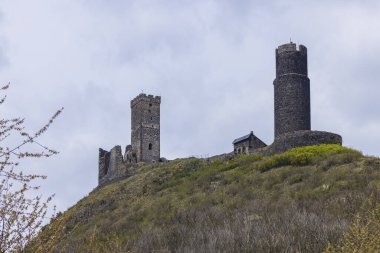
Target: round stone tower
291	90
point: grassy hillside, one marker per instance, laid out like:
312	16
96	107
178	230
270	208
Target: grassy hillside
299	200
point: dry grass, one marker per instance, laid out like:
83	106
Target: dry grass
302	201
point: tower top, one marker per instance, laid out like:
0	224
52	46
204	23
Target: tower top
291	59
291	47
146	98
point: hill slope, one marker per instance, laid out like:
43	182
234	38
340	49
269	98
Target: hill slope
298	200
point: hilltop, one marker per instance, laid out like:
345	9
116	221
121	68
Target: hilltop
299	200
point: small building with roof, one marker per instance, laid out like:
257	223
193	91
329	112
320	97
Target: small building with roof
247	143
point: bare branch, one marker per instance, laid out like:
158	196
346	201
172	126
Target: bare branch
21	217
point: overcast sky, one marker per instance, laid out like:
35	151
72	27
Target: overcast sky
212	61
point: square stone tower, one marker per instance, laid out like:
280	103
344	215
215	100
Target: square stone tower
145	128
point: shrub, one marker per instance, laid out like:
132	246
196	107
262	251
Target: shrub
362	236
338	159
309	155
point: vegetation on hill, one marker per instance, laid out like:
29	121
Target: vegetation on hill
307	199
362	236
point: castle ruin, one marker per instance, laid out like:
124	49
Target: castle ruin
292	124
145	141
292	121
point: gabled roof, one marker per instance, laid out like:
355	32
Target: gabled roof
243	138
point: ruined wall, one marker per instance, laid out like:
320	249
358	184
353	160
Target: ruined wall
129	155
291	90
145	127
111	165
104	157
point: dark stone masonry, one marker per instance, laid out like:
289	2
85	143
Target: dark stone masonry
145	132
292	122
291	90
300	138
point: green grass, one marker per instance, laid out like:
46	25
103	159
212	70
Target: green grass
323	180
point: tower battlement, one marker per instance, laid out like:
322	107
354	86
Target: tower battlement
146	98
291	47
291	59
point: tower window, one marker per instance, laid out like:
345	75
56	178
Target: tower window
150	146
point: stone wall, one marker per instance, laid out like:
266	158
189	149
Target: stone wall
242	147
256	143
301	138
104	157
129	155
116	159
291	90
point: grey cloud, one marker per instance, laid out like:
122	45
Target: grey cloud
211	61
4	61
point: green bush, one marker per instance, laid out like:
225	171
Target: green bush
309	155
338	159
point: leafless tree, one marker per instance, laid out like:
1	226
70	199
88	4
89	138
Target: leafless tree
21	216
